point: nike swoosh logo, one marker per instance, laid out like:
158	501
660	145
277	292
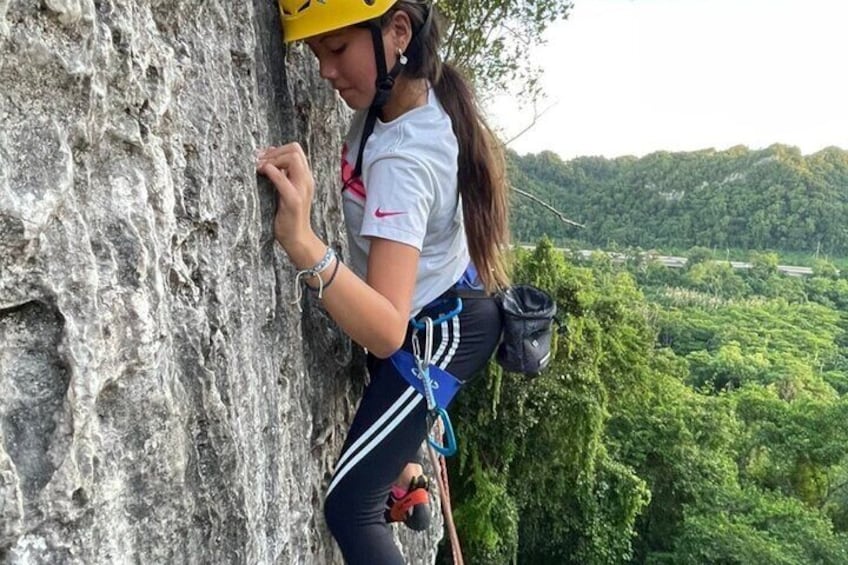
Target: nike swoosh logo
381	214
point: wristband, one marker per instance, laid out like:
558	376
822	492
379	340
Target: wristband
322	289
315	271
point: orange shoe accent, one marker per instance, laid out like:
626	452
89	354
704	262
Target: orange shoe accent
401	507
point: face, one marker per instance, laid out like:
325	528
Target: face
346	60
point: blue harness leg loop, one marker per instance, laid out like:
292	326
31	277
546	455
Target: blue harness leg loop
449	448
443	385
435	384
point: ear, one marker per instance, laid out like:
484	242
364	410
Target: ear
400	30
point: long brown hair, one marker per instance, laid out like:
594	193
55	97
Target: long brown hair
481	169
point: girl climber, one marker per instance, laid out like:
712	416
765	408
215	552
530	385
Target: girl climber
424	204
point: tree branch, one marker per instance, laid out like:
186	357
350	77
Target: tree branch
536	116
548	206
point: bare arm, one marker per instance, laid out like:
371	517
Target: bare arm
374	313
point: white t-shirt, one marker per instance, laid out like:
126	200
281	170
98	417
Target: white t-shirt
407	193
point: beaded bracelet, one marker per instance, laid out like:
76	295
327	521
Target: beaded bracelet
315	271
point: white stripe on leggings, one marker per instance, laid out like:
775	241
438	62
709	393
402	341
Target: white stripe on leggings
340	473
375	426
454	344
443	337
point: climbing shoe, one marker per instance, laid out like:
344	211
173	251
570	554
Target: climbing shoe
410	506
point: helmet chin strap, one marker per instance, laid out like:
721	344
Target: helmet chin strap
385	79
385	83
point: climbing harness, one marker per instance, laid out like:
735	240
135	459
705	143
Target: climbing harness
435	412
437	385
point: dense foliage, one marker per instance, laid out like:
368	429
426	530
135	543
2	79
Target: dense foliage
773	198
492	41
681	421
690	415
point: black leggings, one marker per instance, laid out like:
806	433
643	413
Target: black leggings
389	427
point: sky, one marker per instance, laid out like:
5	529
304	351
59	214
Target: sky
630	77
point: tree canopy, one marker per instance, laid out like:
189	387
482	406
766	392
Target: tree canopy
491	40
680	421
773	198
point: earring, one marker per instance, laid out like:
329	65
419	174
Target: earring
401	57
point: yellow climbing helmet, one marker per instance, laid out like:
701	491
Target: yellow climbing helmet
307	18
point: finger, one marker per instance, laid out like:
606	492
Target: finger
295	166
264	154
285	189
294	147
272	151
290	149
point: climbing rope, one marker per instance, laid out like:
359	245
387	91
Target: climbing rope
440	467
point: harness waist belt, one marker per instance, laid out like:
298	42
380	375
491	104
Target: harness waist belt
445	385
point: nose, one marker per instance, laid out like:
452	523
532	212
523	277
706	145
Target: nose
327	69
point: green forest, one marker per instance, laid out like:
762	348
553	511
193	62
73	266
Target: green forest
696	415
774	198
690	416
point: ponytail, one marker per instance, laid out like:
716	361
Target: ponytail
481	177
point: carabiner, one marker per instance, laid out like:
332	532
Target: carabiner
450	439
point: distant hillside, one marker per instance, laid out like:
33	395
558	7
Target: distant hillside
773	198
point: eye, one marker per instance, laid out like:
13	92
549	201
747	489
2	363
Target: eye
338	50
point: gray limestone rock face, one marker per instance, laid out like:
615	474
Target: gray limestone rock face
161	398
